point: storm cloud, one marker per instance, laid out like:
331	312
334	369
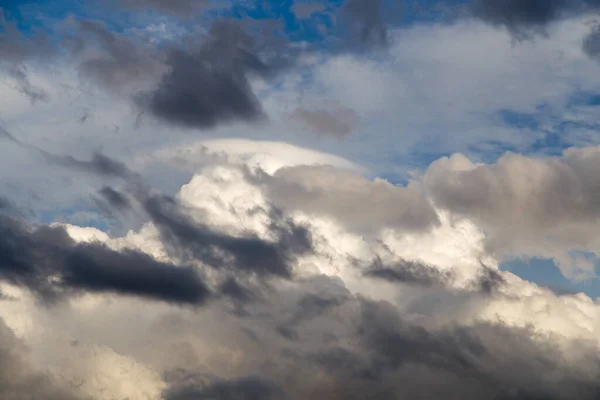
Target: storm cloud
47	261
210	86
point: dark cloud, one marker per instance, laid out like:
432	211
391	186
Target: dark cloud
246	253
348	347
338	122
48	262
114	198
479	362
96	268
181	8
366	19
409	272
591	42
210	86
248	388
489	280
526	17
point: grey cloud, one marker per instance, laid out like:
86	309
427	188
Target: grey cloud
246	253
34	94
247	388
338	122
117	61
353	348
526	17
178	7
15	47
409	272
305	10
19	380
526	205
489	280
48	262
351	199
210	86
100	164
366	17
591	42
479	362
115	198
520	15
96	268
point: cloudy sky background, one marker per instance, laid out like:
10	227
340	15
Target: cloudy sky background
299	199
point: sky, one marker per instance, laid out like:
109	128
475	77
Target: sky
291	199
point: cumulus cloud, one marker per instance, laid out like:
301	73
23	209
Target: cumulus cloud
360	315
528	206
350	198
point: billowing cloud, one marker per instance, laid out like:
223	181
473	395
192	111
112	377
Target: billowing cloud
350	198
528	206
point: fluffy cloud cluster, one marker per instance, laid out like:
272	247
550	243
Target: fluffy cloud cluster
394	292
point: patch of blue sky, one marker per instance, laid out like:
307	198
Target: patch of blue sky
518	119
544	272
77	216
584	98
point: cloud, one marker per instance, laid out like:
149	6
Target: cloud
16	48
248	253
339	122
527	17
349	198
115	61
527	206
210	86
19	379
48	262
306	10
367	18
520	16
319	332
412	273
34	94
249	388
591	42
180	8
